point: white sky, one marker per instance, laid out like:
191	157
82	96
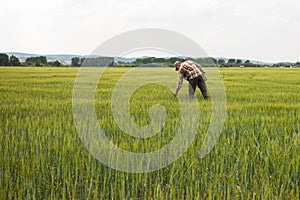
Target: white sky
266	30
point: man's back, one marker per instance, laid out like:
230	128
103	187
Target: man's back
190	70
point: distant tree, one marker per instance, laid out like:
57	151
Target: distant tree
37	61
75	62
4	59
160	60
81	61
248	63
174	59
206	61
221	61
231	61
43	60
148	60
214	60
14	61
239	61
29	61
56	64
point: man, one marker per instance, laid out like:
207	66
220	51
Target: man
193	73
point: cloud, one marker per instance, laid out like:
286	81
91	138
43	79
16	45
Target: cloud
237	28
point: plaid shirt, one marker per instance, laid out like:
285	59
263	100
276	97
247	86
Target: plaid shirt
188	70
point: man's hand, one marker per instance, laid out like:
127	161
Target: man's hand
174	94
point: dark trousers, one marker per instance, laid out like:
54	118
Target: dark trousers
193	83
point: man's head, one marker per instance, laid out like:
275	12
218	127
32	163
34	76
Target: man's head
177	65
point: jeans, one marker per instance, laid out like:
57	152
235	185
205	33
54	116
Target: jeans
201	85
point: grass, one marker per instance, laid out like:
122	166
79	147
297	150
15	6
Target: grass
42	157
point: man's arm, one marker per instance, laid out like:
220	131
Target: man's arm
180	79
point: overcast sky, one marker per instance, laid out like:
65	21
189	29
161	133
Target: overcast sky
266	30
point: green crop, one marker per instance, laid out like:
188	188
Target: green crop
257	155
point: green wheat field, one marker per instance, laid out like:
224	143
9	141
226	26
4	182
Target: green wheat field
257	155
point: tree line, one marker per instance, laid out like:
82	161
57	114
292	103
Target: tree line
40	61
5	60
